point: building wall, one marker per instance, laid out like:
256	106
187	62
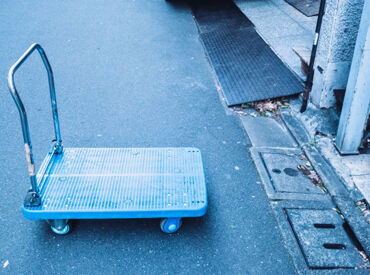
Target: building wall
335	49
356	104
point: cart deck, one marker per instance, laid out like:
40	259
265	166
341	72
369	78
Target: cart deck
95	183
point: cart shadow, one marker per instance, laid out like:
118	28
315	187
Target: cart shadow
137	226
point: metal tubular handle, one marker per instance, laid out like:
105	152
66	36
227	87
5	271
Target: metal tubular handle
23	115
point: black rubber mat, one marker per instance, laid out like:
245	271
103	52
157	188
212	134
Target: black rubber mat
307	7
246	67
214	14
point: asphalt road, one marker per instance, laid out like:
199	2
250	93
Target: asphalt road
128	74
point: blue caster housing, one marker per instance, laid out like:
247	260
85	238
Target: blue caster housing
109	183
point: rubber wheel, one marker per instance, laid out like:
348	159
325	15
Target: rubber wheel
170	225
63	231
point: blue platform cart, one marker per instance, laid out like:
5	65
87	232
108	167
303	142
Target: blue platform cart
108	183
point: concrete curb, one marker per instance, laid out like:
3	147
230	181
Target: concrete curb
342	197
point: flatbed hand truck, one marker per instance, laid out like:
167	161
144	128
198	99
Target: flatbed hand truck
108	183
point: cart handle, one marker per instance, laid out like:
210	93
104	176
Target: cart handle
22	111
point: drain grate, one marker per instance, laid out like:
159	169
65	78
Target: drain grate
323	240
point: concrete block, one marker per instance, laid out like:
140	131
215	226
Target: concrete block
286	230
363	184
323	239
334	76
267	132
335	49
258	8
358	164
283	47
280	26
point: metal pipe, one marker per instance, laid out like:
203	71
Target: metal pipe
23	114
309	80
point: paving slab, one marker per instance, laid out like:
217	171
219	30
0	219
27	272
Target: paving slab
282	27
267	132
257	8
358	164
291	41
363	184
307	7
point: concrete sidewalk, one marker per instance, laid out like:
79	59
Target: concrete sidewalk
128	74
309	137
283	27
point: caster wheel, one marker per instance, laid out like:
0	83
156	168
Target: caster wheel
62	231
170	225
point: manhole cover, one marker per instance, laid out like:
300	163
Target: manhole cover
284	175
322	239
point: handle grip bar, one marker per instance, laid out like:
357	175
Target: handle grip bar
23	115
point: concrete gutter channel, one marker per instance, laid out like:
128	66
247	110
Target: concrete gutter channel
323	228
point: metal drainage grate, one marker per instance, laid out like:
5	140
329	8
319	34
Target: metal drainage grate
323	239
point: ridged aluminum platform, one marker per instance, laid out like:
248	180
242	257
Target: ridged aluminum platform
93	183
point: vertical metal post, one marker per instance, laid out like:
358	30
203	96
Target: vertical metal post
356	103
33	197
309	79
58	138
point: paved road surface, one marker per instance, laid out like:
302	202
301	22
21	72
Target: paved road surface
128	74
